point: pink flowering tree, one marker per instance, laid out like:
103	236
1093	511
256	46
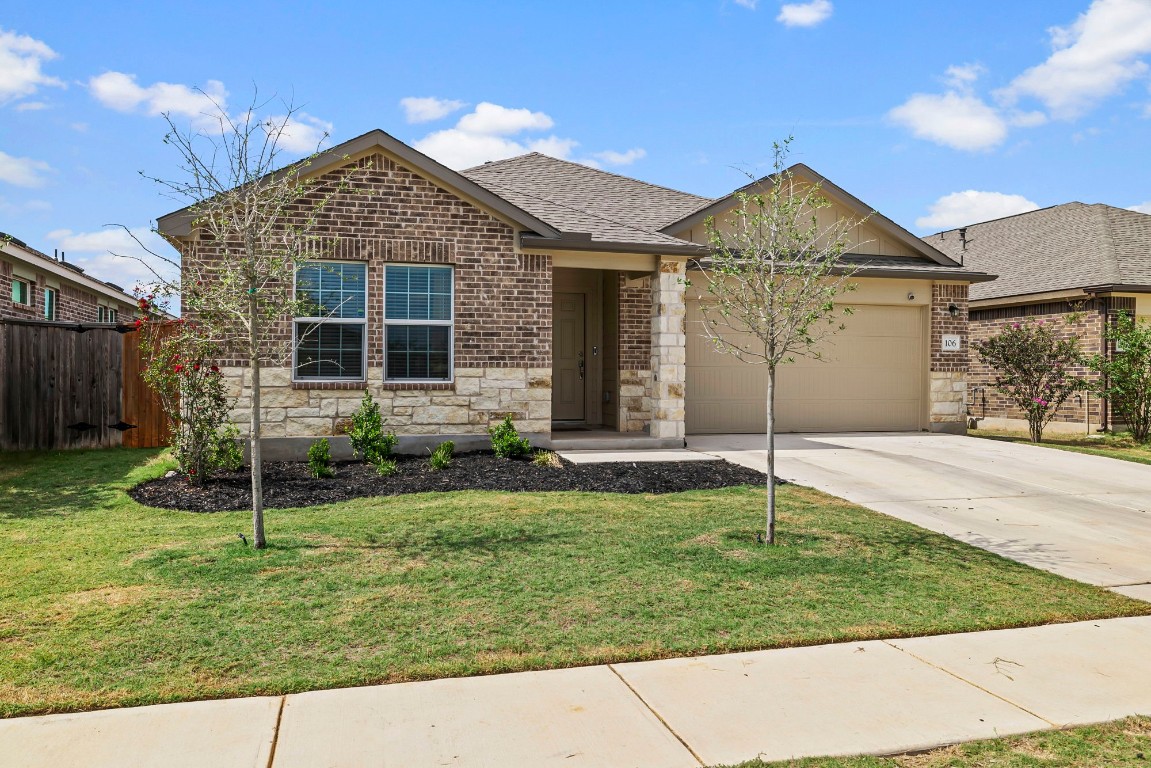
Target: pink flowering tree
1035	367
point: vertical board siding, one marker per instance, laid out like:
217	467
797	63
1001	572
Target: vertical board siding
54	377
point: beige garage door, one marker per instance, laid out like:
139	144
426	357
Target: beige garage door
871	379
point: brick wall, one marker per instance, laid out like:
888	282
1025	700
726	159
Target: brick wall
74	304
1070	319
948	368
635	375
503	304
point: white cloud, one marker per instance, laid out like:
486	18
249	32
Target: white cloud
112	254
1142	207
302	133
963	76
424	109
21	59
748	3
31	106
25	207
493	120
1093	58
971	207
612	157
121	92
23	171
805	14
954	119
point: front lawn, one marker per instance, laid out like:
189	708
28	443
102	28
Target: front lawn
1122	743
1119	446
104	602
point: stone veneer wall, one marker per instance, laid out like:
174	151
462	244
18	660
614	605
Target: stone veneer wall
635	373
668	349
503	304
1070	319
948	371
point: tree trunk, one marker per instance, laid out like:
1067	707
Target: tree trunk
258	540
770	454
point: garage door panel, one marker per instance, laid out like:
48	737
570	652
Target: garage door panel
870	377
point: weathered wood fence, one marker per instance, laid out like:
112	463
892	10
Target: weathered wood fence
69	385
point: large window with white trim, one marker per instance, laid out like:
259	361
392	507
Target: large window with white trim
418	317
51	304
330	334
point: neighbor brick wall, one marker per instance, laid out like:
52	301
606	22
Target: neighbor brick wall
74	305
503	304
1069	319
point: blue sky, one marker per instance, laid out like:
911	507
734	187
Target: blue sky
937	114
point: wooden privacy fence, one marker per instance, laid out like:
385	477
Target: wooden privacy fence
69	385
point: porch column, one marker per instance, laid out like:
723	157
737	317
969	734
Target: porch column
668	349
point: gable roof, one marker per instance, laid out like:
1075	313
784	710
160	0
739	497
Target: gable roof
1065	247
833	191
595	210
179	222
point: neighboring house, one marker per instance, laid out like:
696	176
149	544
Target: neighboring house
36	286
1072	266
557	293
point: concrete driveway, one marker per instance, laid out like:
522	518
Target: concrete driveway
1084	517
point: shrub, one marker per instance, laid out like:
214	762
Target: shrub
506	441
320	458
1125	374
442	455
547	459
366	433
228	454
387	467
1033	368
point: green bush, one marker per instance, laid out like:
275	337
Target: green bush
228	453
320	458
547	459
442	455
387	467
506	441
366	433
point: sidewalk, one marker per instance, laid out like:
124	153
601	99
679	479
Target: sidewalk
865	697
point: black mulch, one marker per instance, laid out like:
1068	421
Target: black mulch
288	484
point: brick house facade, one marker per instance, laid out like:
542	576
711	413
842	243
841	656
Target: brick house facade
493	240
79	297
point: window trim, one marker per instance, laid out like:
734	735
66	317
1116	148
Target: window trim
363	321
450	324
55	294
28	302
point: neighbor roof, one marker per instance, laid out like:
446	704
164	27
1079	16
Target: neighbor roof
577	200
1065	247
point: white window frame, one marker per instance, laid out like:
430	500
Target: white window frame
450	324
296	321
27	291
113	315
55	294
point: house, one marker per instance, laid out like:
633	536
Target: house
36	286
1072	266
557	293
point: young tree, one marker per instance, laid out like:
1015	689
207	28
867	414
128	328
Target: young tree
253	225
1034	367
1125	375
772	281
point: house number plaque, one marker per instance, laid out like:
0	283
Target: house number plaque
951	342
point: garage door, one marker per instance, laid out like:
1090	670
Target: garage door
871	379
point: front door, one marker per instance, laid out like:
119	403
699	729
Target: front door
569	366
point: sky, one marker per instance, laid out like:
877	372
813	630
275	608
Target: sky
936	114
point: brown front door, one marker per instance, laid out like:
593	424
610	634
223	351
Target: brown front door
569	364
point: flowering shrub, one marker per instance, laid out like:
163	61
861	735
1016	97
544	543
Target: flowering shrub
191	390
1126	374
1034	368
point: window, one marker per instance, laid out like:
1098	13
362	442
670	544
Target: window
107	315
330	334
20	292
50	303
417	323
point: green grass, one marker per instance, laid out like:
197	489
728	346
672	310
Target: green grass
1120	446
105	603
1122	743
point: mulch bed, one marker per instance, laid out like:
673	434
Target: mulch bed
288	484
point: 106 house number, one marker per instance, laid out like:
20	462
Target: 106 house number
951	342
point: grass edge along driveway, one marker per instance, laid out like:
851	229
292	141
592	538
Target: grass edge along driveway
107	603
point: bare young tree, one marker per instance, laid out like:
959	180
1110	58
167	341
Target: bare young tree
252	226
772	280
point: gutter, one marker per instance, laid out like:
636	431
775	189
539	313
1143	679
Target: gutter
582	241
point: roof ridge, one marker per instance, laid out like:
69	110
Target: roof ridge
1108	240
586	212
588	168
1004	218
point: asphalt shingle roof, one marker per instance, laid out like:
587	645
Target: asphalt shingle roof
1065	247
575	198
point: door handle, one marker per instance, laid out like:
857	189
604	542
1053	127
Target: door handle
581	366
